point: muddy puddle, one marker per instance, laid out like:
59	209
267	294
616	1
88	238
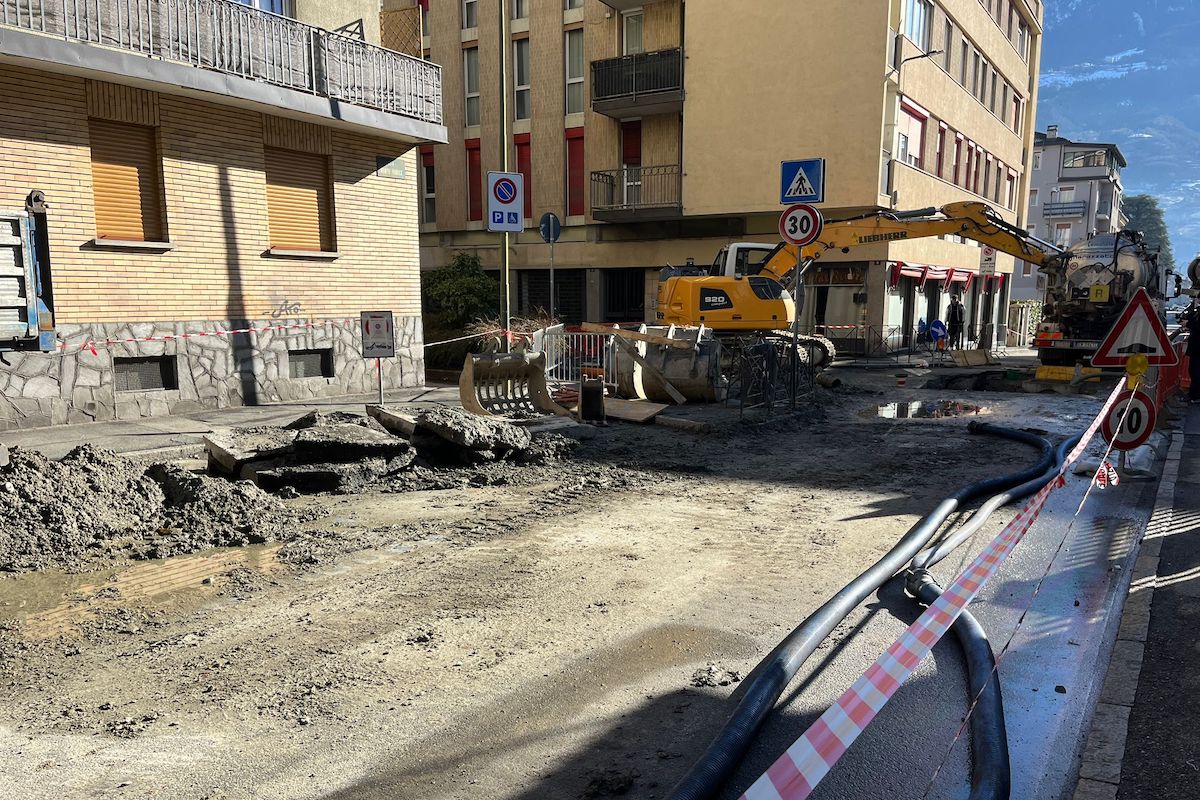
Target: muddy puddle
53	602
924	409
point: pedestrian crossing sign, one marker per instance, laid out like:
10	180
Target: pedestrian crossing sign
802	181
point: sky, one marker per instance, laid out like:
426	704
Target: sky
1128	72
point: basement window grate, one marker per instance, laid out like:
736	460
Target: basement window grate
310	363
148	374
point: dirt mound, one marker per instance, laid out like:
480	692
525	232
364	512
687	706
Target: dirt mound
96	505
57	512
203	512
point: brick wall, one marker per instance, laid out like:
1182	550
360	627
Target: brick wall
214	189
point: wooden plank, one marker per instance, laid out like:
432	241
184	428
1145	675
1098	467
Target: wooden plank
632	410
649	338
653	370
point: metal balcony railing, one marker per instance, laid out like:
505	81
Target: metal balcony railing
235	39
642	73
1076	208
638	192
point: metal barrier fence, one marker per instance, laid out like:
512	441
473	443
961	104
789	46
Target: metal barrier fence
883	341
572	356
230	37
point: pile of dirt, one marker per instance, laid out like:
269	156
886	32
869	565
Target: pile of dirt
59	512
95	505
446	435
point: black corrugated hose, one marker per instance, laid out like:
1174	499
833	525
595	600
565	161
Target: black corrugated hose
766	682
991	772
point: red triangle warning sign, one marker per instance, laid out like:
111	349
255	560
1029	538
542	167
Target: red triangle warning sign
1138	331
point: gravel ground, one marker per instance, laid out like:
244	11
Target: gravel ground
570	628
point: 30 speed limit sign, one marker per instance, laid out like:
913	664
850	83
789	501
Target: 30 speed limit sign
801	224
1139	421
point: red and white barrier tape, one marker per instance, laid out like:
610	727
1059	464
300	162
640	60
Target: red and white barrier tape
794	775
91	344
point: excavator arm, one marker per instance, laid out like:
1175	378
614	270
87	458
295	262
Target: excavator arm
971	220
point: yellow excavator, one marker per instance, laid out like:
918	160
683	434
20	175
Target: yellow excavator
751	286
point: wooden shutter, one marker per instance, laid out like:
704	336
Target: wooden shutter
474	181
299	206
525	167
125	181
575	178
631	143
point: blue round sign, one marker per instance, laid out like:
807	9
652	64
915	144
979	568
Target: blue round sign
505	190
937	329
550	228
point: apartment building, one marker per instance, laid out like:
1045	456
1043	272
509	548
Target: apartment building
655	130
1074	192
228	185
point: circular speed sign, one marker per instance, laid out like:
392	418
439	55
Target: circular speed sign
800	224
1139	421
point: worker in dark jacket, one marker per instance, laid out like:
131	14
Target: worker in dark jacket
956	318
1190	319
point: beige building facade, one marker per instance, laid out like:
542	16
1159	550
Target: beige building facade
216	219
655	131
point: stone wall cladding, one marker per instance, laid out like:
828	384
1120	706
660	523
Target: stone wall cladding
39	389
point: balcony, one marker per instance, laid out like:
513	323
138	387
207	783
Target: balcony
250	57
626	5
1077	208
637	194
638	85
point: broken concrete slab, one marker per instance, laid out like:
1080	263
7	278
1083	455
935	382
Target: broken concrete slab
314	478
230	449
472	432
348	442
395	422
317	418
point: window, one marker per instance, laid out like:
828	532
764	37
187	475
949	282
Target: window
979	154
574	72
281	7
523	108
299	201
1085	158
631	33
144	374
987	176
1026	268
126	182
428	187
471	72
572	4
963	61
958	141
1011	191
1062	234
976	69
1017	106
1066	194
474	182
575	183
520	9
1012	12
910	137
470	14
310	363
998	186
1004	104
525	167
941	149
1023	38
1037	160
948	45
995	80
1033	197
918	22
969	166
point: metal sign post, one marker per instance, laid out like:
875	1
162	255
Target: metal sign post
551	228
800	225
378	341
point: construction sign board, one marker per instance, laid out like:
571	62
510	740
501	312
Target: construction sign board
987	261
378	334
1139	331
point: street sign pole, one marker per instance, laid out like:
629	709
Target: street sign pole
505	48
552	317
550	228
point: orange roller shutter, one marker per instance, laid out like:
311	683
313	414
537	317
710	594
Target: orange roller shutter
125	182
299	202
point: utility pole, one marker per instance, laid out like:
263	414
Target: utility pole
505	47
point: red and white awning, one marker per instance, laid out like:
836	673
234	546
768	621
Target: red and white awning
947	276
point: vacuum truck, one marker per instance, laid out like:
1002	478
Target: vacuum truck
1086	292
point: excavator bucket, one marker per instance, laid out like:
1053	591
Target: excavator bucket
506	384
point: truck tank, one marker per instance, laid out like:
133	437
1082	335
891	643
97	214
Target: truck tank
1085	297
